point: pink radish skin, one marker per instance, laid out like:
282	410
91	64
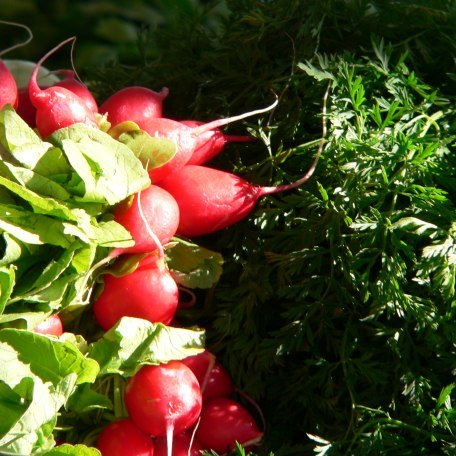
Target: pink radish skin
201	365
25	108
57	107
123	438
185	138
163	397
181	446
52	325
149	292
161	213
135	103
78	88
210	143
214	380
8	87
219	384
223	423
210	199
179	134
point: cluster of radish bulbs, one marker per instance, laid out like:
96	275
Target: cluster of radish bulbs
186	406
181	407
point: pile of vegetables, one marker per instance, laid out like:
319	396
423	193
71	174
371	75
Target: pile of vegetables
95	266
334	309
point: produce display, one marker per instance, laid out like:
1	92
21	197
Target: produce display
227	228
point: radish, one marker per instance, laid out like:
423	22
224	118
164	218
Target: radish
164	400
158	213
201	365
21	71
8	87
179	134
57	107
210	199
219	384
183	445
51	325
135	104
185	138
210	143
25	109
149	292
123	438
224	422
78	88
214	380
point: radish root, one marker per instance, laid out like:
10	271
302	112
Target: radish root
313	166
221	122
18	45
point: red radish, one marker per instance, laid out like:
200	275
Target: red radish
8	87
164	400
210	143
57	107
161	214
25	109
214	380
223	423
185	138
219	384
179	134
136	104
210	199
201	365
123	438
51	325
81	90
158	210
149	292
183	445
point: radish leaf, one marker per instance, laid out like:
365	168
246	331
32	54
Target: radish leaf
133	342
193	266
152	152
108	168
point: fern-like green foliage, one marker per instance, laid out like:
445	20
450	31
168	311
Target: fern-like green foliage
341	322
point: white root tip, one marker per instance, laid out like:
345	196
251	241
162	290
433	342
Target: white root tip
220	122
169	438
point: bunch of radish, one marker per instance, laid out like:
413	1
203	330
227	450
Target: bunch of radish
181	407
